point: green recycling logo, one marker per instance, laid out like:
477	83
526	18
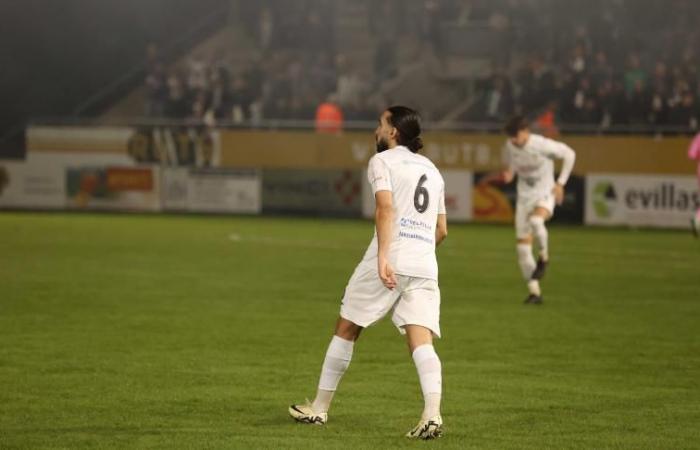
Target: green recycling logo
604	199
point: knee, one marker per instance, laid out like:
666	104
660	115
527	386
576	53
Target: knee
527	240
536	221
347	330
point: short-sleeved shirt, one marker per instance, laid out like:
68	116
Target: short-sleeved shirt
418	196
534	166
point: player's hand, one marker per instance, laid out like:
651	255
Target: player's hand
386	274
558	192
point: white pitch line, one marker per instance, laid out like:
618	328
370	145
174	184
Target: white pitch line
268	240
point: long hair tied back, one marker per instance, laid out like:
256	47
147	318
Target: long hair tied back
407	122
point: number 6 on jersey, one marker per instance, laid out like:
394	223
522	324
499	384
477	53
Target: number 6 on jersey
421	198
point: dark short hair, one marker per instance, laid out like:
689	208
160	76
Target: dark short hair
407	123
515	124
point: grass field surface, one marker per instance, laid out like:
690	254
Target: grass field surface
121	331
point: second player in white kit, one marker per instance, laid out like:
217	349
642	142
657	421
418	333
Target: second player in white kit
531	159
398	273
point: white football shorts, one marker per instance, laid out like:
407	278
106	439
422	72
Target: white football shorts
414	301
524	208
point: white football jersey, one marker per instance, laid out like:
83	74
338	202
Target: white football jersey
534	165
418	196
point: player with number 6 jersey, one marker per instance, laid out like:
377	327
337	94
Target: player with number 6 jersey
398	274
419	196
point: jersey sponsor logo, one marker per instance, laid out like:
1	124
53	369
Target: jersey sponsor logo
415	236
407	222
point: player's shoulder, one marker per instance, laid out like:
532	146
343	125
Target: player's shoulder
426	162
541	143
537	140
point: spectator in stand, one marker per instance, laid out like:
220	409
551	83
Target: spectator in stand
241	99
638	103
329	117
499	99
350	85
197	76
536	84
658	108
635	76
601	72
577	63
685	112
156	91
177	105
220	100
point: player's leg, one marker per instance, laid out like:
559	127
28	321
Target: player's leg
420	344
365	301
541	236
526	260
418	315
335	363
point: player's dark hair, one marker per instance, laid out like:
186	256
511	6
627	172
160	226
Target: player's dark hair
515	124
407	123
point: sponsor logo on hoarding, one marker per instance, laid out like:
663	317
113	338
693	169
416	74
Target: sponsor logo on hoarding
128	179
321	191
491	204
347	187
649	200
604	198
664	196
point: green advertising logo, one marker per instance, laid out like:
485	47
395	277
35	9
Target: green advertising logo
604	199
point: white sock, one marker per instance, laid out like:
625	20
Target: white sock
335	364
430	376
539	231
526	260
534	287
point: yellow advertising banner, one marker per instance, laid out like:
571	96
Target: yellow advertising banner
476	152
349	150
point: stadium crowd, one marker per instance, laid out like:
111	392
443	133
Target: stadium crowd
619	63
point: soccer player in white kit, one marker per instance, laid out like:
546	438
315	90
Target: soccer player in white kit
398	273
531	158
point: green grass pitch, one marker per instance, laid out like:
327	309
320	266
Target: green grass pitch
123	331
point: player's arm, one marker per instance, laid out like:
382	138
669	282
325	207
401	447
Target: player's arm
441	225
559	150
379	177
441	229
384	219
505	176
